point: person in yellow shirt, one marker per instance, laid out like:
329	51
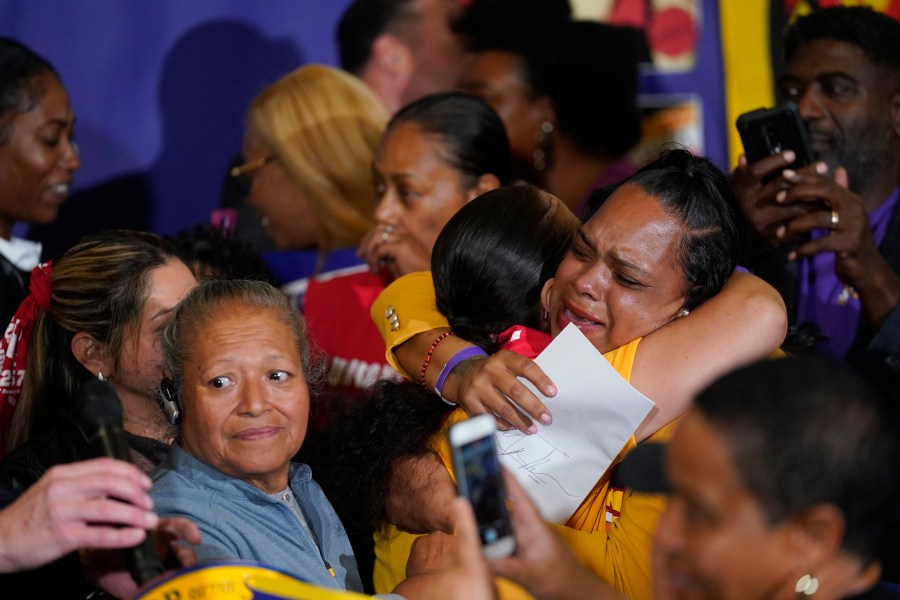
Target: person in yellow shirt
659	249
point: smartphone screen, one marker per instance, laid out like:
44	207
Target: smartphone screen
479	478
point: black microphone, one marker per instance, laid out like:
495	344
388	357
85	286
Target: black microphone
98	413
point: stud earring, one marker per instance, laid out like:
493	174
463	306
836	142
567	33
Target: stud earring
682	313
807	585
100	376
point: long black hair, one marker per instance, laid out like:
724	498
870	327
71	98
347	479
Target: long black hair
492	258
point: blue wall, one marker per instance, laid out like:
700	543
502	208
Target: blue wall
159	89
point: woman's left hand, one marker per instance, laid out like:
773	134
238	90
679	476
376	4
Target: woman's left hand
392	247
492	385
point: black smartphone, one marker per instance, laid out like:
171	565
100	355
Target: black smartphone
768	131
480	479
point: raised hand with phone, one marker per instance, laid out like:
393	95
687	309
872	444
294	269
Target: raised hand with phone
776	148
828	233
479	479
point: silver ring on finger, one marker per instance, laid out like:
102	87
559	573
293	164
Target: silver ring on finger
835	219
385	235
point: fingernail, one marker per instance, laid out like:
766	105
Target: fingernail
789	156
821	168
550	390
546	419
792	256
780	231
532	429
780	196
789	173
151	520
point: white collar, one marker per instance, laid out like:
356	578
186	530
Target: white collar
24	254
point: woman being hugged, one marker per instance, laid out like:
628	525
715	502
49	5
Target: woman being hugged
642	281
308	147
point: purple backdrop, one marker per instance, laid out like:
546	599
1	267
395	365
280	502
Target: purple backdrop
159	89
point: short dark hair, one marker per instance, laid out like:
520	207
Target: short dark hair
807	430
700	195
21	83
473	136
875	33
363	22
588	70
493	257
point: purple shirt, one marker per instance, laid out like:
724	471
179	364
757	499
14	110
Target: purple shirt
824	299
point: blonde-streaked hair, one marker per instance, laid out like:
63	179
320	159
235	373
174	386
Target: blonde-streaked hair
324	125
98	287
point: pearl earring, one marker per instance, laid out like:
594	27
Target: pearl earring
807	585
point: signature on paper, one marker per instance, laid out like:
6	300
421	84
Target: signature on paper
533	454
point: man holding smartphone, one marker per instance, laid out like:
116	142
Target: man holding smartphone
828	235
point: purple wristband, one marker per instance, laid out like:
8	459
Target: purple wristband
457	358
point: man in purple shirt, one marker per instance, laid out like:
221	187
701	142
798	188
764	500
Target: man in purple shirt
828	235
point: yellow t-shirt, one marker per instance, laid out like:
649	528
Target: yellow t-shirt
617	551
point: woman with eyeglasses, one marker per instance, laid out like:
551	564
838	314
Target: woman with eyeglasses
308	150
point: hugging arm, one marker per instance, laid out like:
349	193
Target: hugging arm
409	322
744	322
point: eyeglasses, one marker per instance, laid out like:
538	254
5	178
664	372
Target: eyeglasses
242	173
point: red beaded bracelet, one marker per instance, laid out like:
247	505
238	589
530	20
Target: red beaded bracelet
434	344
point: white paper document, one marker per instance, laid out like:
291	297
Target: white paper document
595	412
